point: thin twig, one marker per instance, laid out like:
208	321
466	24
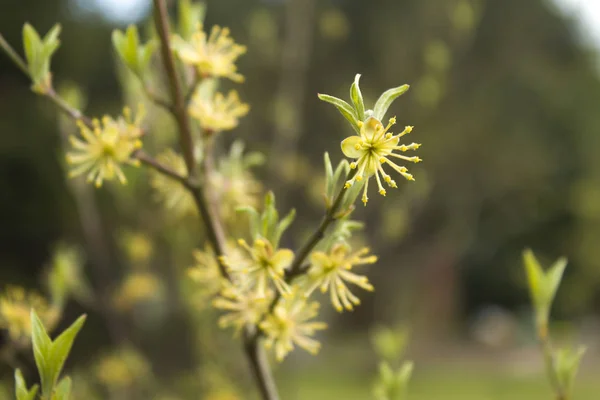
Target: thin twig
156	99
14	56
179	110
155	164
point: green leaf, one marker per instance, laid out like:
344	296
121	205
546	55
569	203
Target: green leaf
61	347
31	42
282	227
357	99
386	99
254	219
344	108
269	218
567	364
42	352
21	391
535	278
63	390
329	183
553	278
146	53
190	14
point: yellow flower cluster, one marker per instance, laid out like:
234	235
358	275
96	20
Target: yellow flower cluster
217	112
213	55
15	312
105	147
264	265
331	271
289	325
175	197
373	147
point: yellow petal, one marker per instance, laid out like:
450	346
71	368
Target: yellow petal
349	147
282	258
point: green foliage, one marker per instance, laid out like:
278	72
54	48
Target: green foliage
135	55
567	363
189	14
390	344
38	53
344	108
357	99
542	285
267	224
392	385
50	356
21	391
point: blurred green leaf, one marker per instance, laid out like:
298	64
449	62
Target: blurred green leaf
21	391
344	108
357	99
63	390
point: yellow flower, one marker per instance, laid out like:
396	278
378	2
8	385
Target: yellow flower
206	274
331	271
122	369
372	148
289	325
15	312
213	56
106	147
218	113
243	306
264	265
234	184
138	287
138	247
175	197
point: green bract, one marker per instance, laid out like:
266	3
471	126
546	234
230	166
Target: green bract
21	391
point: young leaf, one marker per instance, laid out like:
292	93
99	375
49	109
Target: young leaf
63	390
329	182
535	278
61	348
190	14
567	365
282	227
553	279
386	99
21	391
344	108
357	99
33	51
254	220
42	352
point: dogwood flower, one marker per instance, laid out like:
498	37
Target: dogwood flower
330	272
373	147
106	147
289	325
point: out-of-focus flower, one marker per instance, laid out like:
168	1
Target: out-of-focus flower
176	198
15	312
213	56
373	147
137	245
218	112
106	148
264	265
122	369
234	183
243	307
290	325
136	288
206	274
66	277
331	271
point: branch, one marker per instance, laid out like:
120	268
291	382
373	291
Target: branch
179	110
155	164
216	235
14	56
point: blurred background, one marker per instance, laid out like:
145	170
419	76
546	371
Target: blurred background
505	98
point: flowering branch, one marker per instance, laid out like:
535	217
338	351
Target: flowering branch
216	235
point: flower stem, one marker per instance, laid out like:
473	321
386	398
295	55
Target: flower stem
216	235
550	362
